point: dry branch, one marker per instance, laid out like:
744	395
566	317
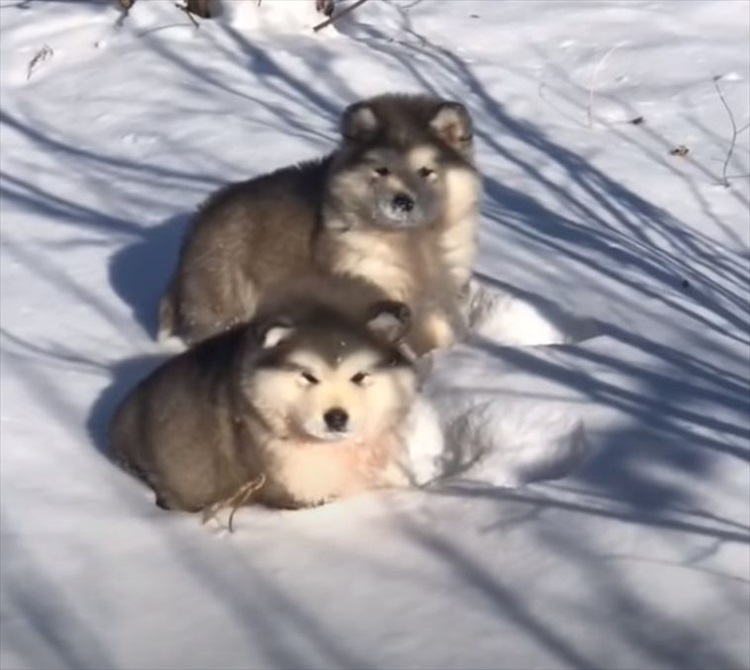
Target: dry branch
234	502
337	16
735	133
188	13
42	55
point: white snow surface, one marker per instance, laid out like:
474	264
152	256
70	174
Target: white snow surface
597	512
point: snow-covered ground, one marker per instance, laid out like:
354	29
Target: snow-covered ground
637	558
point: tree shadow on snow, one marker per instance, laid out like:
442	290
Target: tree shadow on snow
583	227
125	377
139	272
619	615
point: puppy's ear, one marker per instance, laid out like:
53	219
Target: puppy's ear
452	124
274	331
389	319
359	123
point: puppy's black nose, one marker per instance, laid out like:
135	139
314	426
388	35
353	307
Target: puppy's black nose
403	202
336	419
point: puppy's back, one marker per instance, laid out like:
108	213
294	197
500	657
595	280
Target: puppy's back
175	430
245	237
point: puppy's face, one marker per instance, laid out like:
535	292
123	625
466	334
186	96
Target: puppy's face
316	398
332	384
397	163
390	188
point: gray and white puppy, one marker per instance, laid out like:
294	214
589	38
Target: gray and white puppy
308	399
395	204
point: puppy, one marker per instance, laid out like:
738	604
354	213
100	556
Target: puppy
396	204
306	402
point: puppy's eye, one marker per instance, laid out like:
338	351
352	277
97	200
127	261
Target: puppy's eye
425	172
382	171
309	378
360	378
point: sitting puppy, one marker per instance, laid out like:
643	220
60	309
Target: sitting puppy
306	405
396	204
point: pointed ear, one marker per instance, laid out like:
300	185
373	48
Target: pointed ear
274	332
359	123
389	319
452	124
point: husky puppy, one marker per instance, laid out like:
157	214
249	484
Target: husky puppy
307	399
396	203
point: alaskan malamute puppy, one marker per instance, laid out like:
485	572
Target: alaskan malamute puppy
303	406
396	203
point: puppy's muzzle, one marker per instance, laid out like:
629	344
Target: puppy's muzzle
403	203
336	420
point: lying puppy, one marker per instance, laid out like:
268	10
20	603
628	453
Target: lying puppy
296	408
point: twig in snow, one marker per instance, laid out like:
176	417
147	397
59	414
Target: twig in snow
592	83
188	13
336	17
200	8
42	55
735	133
125	6
235	501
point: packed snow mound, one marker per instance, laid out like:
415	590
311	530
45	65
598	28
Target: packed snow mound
486	434
271	16
489	440
496	440
505	317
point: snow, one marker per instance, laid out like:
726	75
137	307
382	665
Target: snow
604	518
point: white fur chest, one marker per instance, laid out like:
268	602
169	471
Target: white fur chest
312	473
363	254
